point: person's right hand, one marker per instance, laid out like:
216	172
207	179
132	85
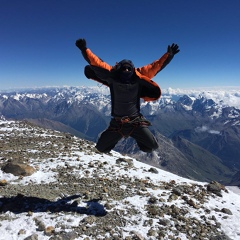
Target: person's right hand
81	44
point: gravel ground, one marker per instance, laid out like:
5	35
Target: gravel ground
88	195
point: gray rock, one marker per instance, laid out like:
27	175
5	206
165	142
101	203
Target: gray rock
227	211
18	169
32	237
153	170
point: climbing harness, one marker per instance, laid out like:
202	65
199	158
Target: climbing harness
127	121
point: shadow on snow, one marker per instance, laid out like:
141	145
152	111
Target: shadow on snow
21	203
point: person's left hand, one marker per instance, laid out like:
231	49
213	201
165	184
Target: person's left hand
173	49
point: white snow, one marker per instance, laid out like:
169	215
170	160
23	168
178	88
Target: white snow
225	96
9	229
206	129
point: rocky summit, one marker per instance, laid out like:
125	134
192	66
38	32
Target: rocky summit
54	186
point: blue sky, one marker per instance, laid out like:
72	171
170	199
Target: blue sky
38	40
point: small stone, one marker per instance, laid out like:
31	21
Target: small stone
128	238
227	211
108	206
30	214
49	230
32	237
216	188
153	170
124	160
40	224
22	232
137	235
3	182
192	203
152	200
172	197
164	222
177	191
153	210
90	219
152	232
105	190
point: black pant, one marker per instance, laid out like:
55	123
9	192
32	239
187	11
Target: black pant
116	131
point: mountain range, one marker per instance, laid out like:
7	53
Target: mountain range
198	135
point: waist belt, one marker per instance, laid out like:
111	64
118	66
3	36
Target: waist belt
139	120
127	119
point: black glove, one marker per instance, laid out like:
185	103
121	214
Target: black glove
81	44
174	49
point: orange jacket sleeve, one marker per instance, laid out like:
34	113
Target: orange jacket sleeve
152	69
94	60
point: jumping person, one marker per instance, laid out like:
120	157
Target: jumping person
127	85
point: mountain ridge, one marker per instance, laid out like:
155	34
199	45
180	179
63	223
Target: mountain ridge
208	123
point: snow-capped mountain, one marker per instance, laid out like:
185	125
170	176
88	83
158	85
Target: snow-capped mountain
199	126
57	186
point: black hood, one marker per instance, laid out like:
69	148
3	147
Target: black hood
125	76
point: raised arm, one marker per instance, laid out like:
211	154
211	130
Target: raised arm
154	68
90	57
